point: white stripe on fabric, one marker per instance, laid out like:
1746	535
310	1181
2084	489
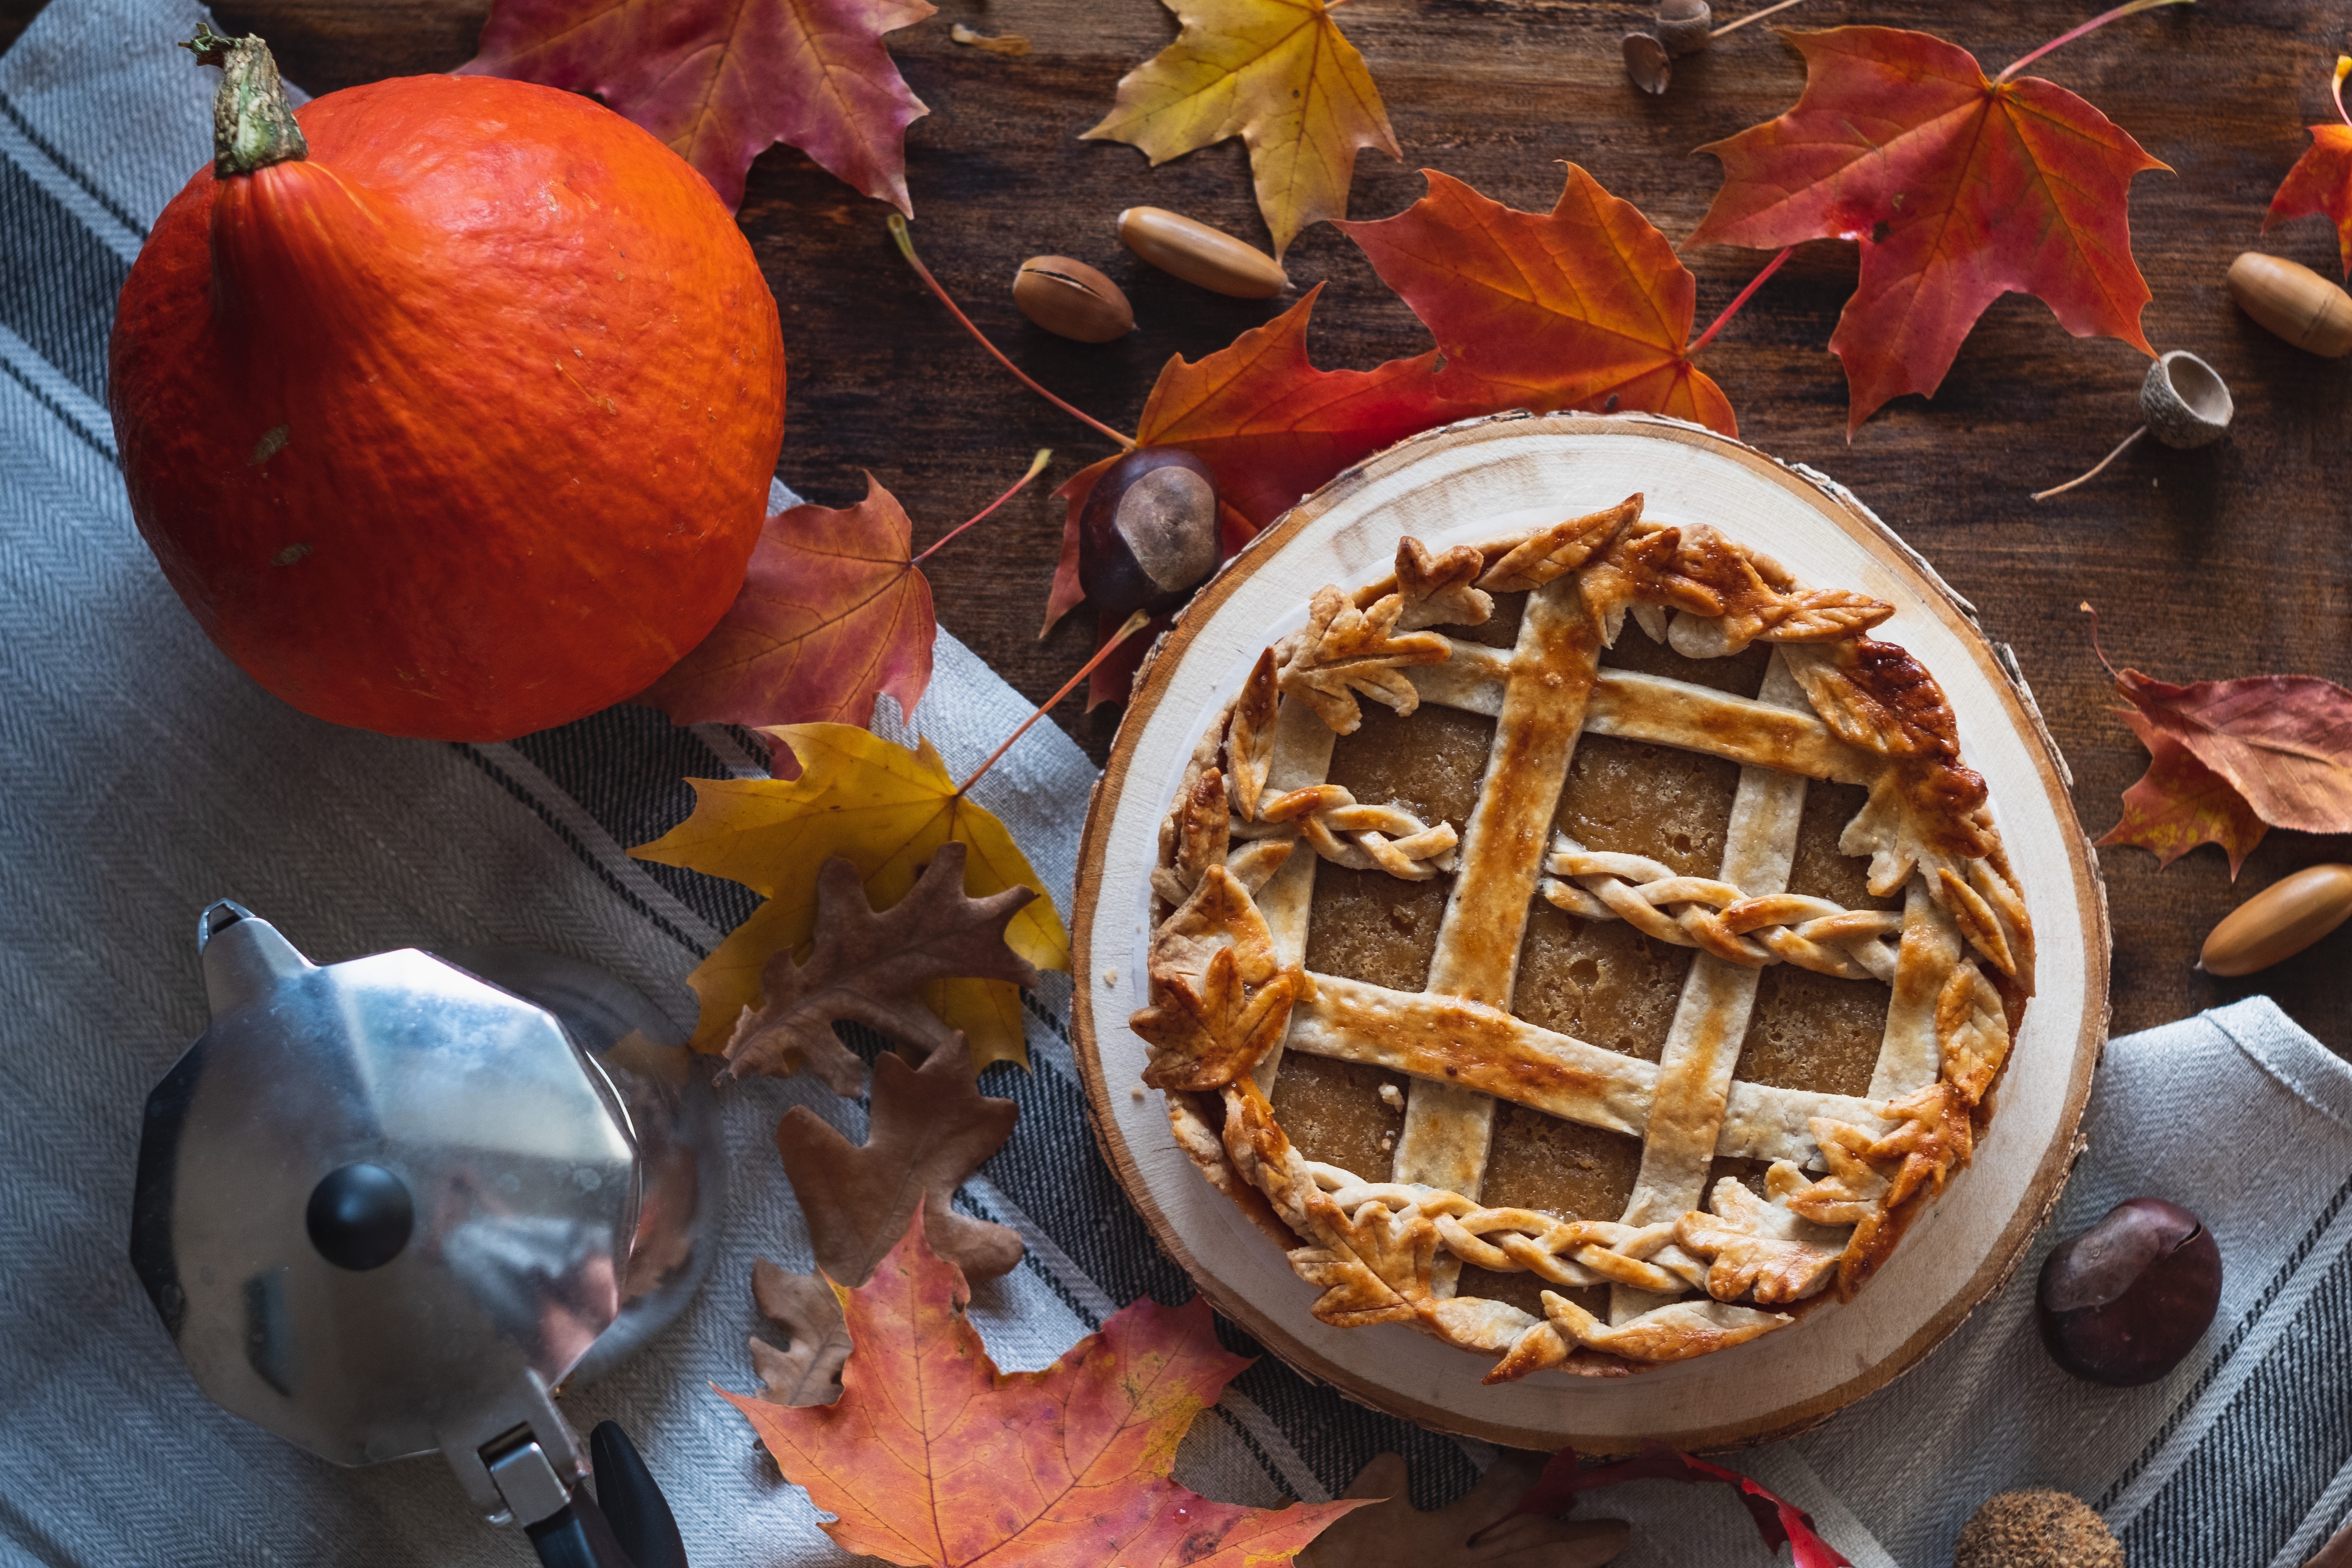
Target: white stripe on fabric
2278	1317
68	192
65	401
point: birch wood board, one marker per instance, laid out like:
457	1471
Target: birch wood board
1474	481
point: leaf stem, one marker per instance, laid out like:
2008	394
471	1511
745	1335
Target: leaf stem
1036	466
1751	16
2131	9
2343	69
1732	309
906	249
2121	448
1135	622
2085	607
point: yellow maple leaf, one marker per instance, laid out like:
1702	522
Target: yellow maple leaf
1277	74
886	810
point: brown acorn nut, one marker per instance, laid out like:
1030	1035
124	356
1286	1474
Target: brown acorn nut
2123	1302
1072	299
2294	301
2279	921
1685	25
1198	254
1147	533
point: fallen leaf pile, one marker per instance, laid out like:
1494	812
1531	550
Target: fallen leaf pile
833	611
2229	760
930	1129
1275	73
722	80
1481	1529
887	811
931	1456
865	968
1958	188
1566	1478
1583	307
2321	180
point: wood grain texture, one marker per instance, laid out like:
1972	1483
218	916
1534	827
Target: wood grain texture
2232	561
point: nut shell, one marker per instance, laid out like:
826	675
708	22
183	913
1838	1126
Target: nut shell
1199	254
2185	401
2124	1301
1685	25
1072	299
2294	301
2280	922
1148	532
1647	63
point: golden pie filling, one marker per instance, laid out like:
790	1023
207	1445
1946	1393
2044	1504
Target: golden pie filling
1588	948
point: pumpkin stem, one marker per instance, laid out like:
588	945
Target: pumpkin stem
253	125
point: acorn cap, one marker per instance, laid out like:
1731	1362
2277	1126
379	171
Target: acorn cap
1685	25
1647	62
2037	1528
2185	401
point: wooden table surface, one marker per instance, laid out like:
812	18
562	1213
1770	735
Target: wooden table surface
2226	561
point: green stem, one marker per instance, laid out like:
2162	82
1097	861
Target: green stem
2093	24
253	125
906	249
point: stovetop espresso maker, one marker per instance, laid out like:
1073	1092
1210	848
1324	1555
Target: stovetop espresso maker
389	1206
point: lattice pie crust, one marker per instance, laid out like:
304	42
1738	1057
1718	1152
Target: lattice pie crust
1690	1271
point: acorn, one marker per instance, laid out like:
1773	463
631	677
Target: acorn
1072	299
1685	25
1647	62
2294	301
1148	532
2279	921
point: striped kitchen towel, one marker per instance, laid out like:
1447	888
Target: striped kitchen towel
141	776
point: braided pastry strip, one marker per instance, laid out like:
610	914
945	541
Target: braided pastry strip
1379	838
1699	911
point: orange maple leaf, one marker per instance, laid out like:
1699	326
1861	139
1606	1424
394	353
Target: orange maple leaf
2179	802
932	1457
722	80
832	612
1958	187
2321	180
1583	307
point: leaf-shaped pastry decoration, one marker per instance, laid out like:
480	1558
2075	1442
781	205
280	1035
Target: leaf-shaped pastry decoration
1760	1247
869	968
1560	548
1205	1034
1436	587
1344	651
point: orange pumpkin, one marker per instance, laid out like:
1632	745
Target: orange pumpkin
460	425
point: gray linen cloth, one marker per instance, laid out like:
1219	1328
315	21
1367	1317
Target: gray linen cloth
141	776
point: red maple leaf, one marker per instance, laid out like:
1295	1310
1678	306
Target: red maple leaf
2179	802
2321	180
1583	307
722	80
832	611
2282	742
1566	1478
932	1455
1958	187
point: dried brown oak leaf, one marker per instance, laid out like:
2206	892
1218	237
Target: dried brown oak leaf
1478	1528
930	1129
869	968
807	1371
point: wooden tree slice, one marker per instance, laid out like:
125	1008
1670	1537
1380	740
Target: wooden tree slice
1476	480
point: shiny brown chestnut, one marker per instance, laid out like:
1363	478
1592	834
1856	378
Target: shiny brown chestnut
1147	533
2123	1302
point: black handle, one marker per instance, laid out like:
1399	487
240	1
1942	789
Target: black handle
633	1528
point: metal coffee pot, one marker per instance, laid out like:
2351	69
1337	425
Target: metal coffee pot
387	1208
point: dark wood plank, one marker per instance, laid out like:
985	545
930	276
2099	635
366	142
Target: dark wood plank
2228	562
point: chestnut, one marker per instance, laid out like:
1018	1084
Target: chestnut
1147	533
2123	1302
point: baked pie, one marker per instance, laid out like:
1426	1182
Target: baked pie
1585	994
